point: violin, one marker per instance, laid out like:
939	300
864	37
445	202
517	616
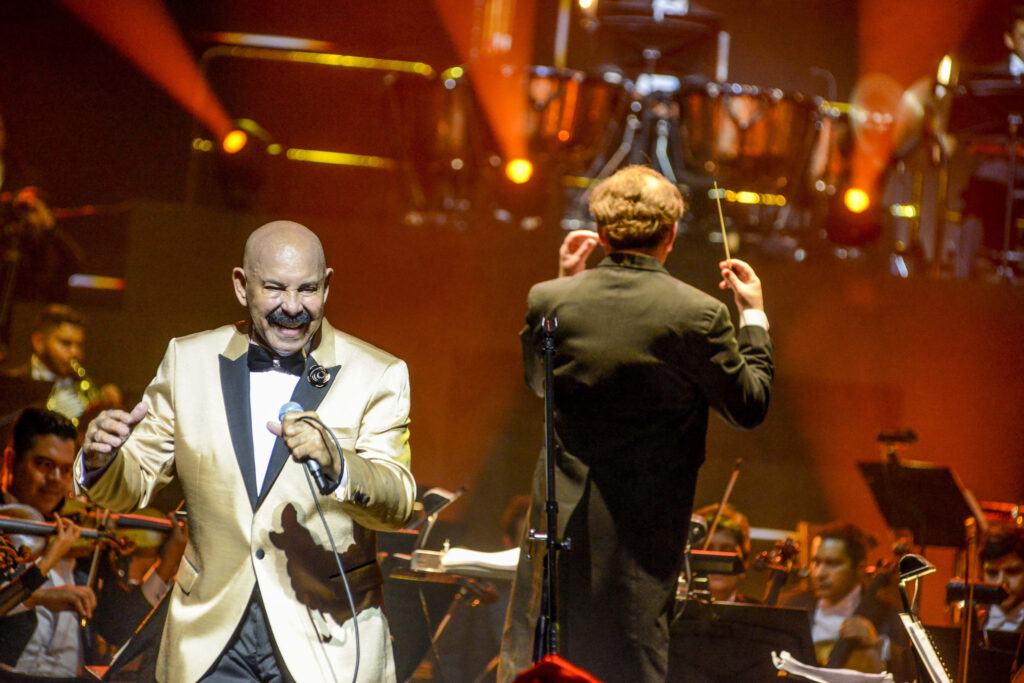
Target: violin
10	558
125	532
143	530
779	565
27	530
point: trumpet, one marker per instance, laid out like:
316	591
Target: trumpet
88	389
85	391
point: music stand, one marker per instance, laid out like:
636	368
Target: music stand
728	642
926	498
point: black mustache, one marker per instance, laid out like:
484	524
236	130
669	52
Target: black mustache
279	317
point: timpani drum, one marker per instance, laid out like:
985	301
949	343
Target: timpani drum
566	116
748	137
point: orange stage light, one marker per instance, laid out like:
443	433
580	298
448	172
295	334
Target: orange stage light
496	54
145	34
856	200
519	171
234	141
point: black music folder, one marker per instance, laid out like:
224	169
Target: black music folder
733	643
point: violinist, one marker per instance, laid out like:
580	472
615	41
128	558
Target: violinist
731	535
1002	561
41	636
843	610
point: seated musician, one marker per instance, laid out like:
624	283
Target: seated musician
41	636
1002	561
732	535
841	607
58	347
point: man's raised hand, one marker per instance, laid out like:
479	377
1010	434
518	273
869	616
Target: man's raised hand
108	432
576	248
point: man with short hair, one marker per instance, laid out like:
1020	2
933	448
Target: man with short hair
841	608
639	359
1002	561
258	595
42	636
58	348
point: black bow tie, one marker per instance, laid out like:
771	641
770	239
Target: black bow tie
261	359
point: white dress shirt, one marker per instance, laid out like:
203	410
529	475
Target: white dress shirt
55	648
268	391
999	620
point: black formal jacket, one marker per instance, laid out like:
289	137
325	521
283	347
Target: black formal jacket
640	357
884	615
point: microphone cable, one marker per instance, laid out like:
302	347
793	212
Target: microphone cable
330	537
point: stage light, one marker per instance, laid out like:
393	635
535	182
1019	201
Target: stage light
853	219
145	34
519	171
234	141
945	71
856	200
241	162
338	158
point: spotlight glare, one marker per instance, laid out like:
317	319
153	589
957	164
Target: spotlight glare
234	141
856	200
519	171
945	70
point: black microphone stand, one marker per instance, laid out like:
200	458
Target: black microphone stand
545	639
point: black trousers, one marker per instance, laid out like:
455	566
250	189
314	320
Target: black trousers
250	655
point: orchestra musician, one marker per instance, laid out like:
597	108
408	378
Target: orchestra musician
732	535
58	349
1002	561
844	610
259	595
42	636
639	359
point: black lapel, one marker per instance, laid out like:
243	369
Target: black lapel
234	384
309	397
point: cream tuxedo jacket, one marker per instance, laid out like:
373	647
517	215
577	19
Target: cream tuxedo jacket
198	430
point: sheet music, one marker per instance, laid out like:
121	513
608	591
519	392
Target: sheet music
499	565
786	662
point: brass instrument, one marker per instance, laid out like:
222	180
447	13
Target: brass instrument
86	394
86	387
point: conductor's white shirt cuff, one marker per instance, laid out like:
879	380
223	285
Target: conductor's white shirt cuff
752	316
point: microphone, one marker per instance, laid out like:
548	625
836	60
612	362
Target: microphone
312	465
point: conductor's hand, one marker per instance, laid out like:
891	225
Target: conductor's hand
308	439
738	276
108	432
576	248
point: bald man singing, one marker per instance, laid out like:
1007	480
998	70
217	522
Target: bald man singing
259	594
